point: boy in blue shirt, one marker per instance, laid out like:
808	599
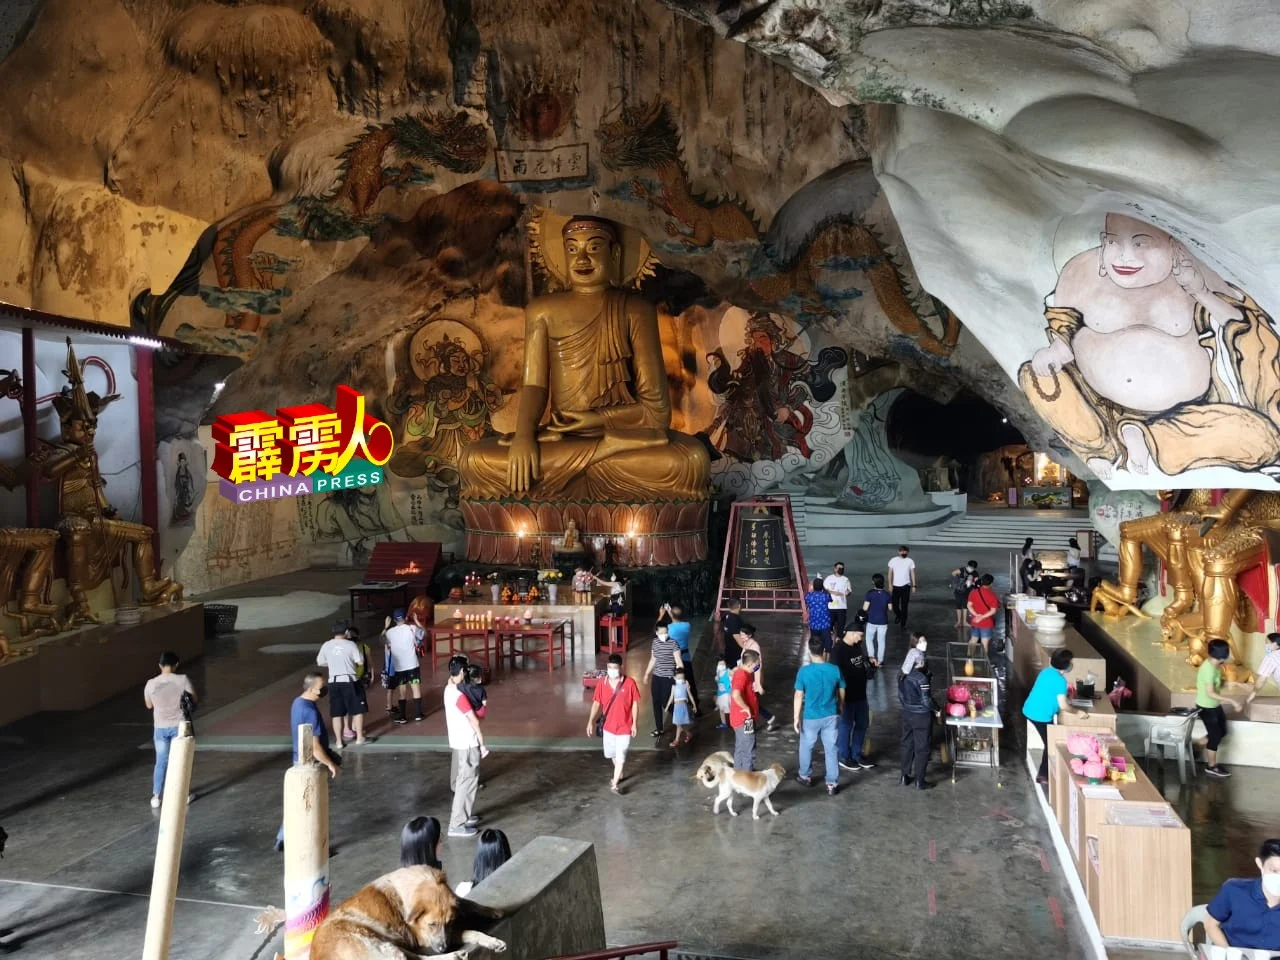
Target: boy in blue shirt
818	701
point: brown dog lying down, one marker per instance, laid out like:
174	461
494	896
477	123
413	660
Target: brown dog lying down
404	915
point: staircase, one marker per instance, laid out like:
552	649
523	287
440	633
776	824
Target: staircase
1003	527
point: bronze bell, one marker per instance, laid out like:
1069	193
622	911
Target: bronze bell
761	559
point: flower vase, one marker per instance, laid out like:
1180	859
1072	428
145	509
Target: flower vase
495	590
552	590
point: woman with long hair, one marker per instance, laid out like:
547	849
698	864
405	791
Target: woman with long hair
420	842
492	851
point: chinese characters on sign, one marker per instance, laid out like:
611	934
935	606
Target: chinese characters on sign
310	448
556	163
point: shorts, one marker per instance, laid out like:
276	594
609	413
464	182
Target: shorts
347	699
615	745
1215	725
982	633
406	677
722	703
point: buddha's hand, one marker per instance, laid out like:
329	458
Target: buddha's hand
522	464
576	421
1202	288
1054	357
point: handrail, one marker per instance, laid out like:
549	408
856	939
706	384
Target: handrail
661	948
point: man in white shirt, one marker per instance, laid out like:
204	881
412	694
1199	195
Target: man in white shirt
403	640
902	583
467	743
838	588
1269	668
342	658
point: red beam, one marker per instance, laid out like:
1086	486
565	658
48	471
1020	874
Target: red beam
147	448
30	439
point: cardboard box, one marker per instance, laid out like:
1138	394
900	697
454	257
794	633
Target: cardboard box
1265	710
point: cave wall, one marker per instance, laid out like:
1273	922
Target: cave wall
339	192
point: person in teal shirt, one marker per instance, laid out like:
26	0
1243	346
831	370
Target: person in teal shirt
1208	682
1047	699
671	616
818	701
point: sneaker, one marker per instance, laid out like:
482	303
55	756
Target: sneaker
866	765
278	846
155	801
419	718
1218	771
924	785
804	781
190	797
848	764
655	733
832	789
399	720
722	726
773	722
906	781
473	821
463	833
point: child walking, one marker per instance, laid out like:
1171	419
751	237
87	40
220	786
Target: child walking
724	684
678	704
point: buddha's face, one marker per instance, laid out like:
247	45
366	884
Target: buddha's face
1135	254
592	257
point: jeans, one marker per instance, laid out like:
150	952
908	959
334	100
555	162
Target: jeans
744	749
900	600
660	688
917	742
810	731
164	737
466	783
875	641
853	730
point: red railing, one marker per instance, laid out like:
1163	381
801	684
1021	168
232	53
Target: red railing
661	948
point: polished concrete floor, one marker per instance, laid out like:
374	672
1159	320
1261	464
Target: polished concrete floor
963	871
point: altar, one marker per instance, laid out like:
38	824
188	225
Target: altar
583	617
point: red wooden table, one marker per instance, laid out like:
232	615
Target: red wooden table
456	633
552	631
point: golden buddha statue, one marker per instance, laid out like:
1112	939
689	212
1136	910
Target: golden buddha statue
1205	548
95	540
592	363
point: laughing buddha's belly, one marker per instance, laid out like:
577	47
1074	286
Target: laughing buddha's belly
1142	368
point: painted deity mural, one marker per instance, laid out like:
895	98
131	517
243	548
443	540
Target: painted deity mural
1156	366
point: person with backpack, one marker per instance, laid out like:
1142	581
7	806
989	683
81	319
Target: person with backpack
340	656
963	579
982	605
616	705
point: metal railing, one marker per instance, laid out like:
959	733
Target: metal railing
662	948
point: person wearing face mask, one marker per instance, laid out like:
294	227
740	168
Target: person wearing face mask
617	704
305	713
918	713
1246	913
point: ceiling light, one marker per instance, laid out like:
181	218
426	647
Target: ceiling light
217	390
149	342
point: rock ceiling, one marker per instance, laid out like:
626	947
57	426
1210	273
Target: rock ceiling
303	184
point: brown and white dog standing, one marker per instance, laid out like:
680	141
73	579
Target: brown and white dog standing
717	772
404	915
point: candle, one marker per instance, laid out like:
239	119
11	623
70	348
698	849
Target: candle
457	614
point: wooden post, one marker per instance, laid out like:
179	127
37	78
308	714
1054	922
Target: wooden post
306	849
173	821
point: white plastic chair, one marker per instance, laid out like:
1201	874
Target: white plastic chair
1207	951
1173	731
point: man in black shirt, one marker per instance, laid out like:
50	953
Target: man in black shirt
731	624
851	658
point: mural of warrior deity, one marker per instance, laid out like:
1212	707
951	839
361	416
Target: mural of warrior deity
1155	363
449	405
766	397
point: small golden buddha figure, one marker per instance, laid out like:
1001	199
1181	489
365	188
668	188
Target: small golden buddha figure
593	364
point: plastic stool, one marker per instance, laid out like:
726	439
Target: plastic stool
616	634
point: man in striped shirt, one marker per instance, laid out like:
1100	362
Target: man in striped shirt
664	657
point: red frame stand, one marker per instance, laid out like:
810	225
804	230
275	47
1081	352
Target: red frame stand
788	599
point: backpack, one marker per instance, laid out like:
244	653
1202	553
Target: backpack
362	668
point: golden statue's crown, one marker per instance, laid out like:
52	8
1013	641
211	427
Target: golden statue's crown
73	403
584	224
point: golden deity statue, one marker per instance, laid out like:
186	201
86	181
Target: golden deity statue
593	365
1204	547
95	540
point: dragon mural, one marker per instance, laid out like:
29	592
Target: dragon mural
806	282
